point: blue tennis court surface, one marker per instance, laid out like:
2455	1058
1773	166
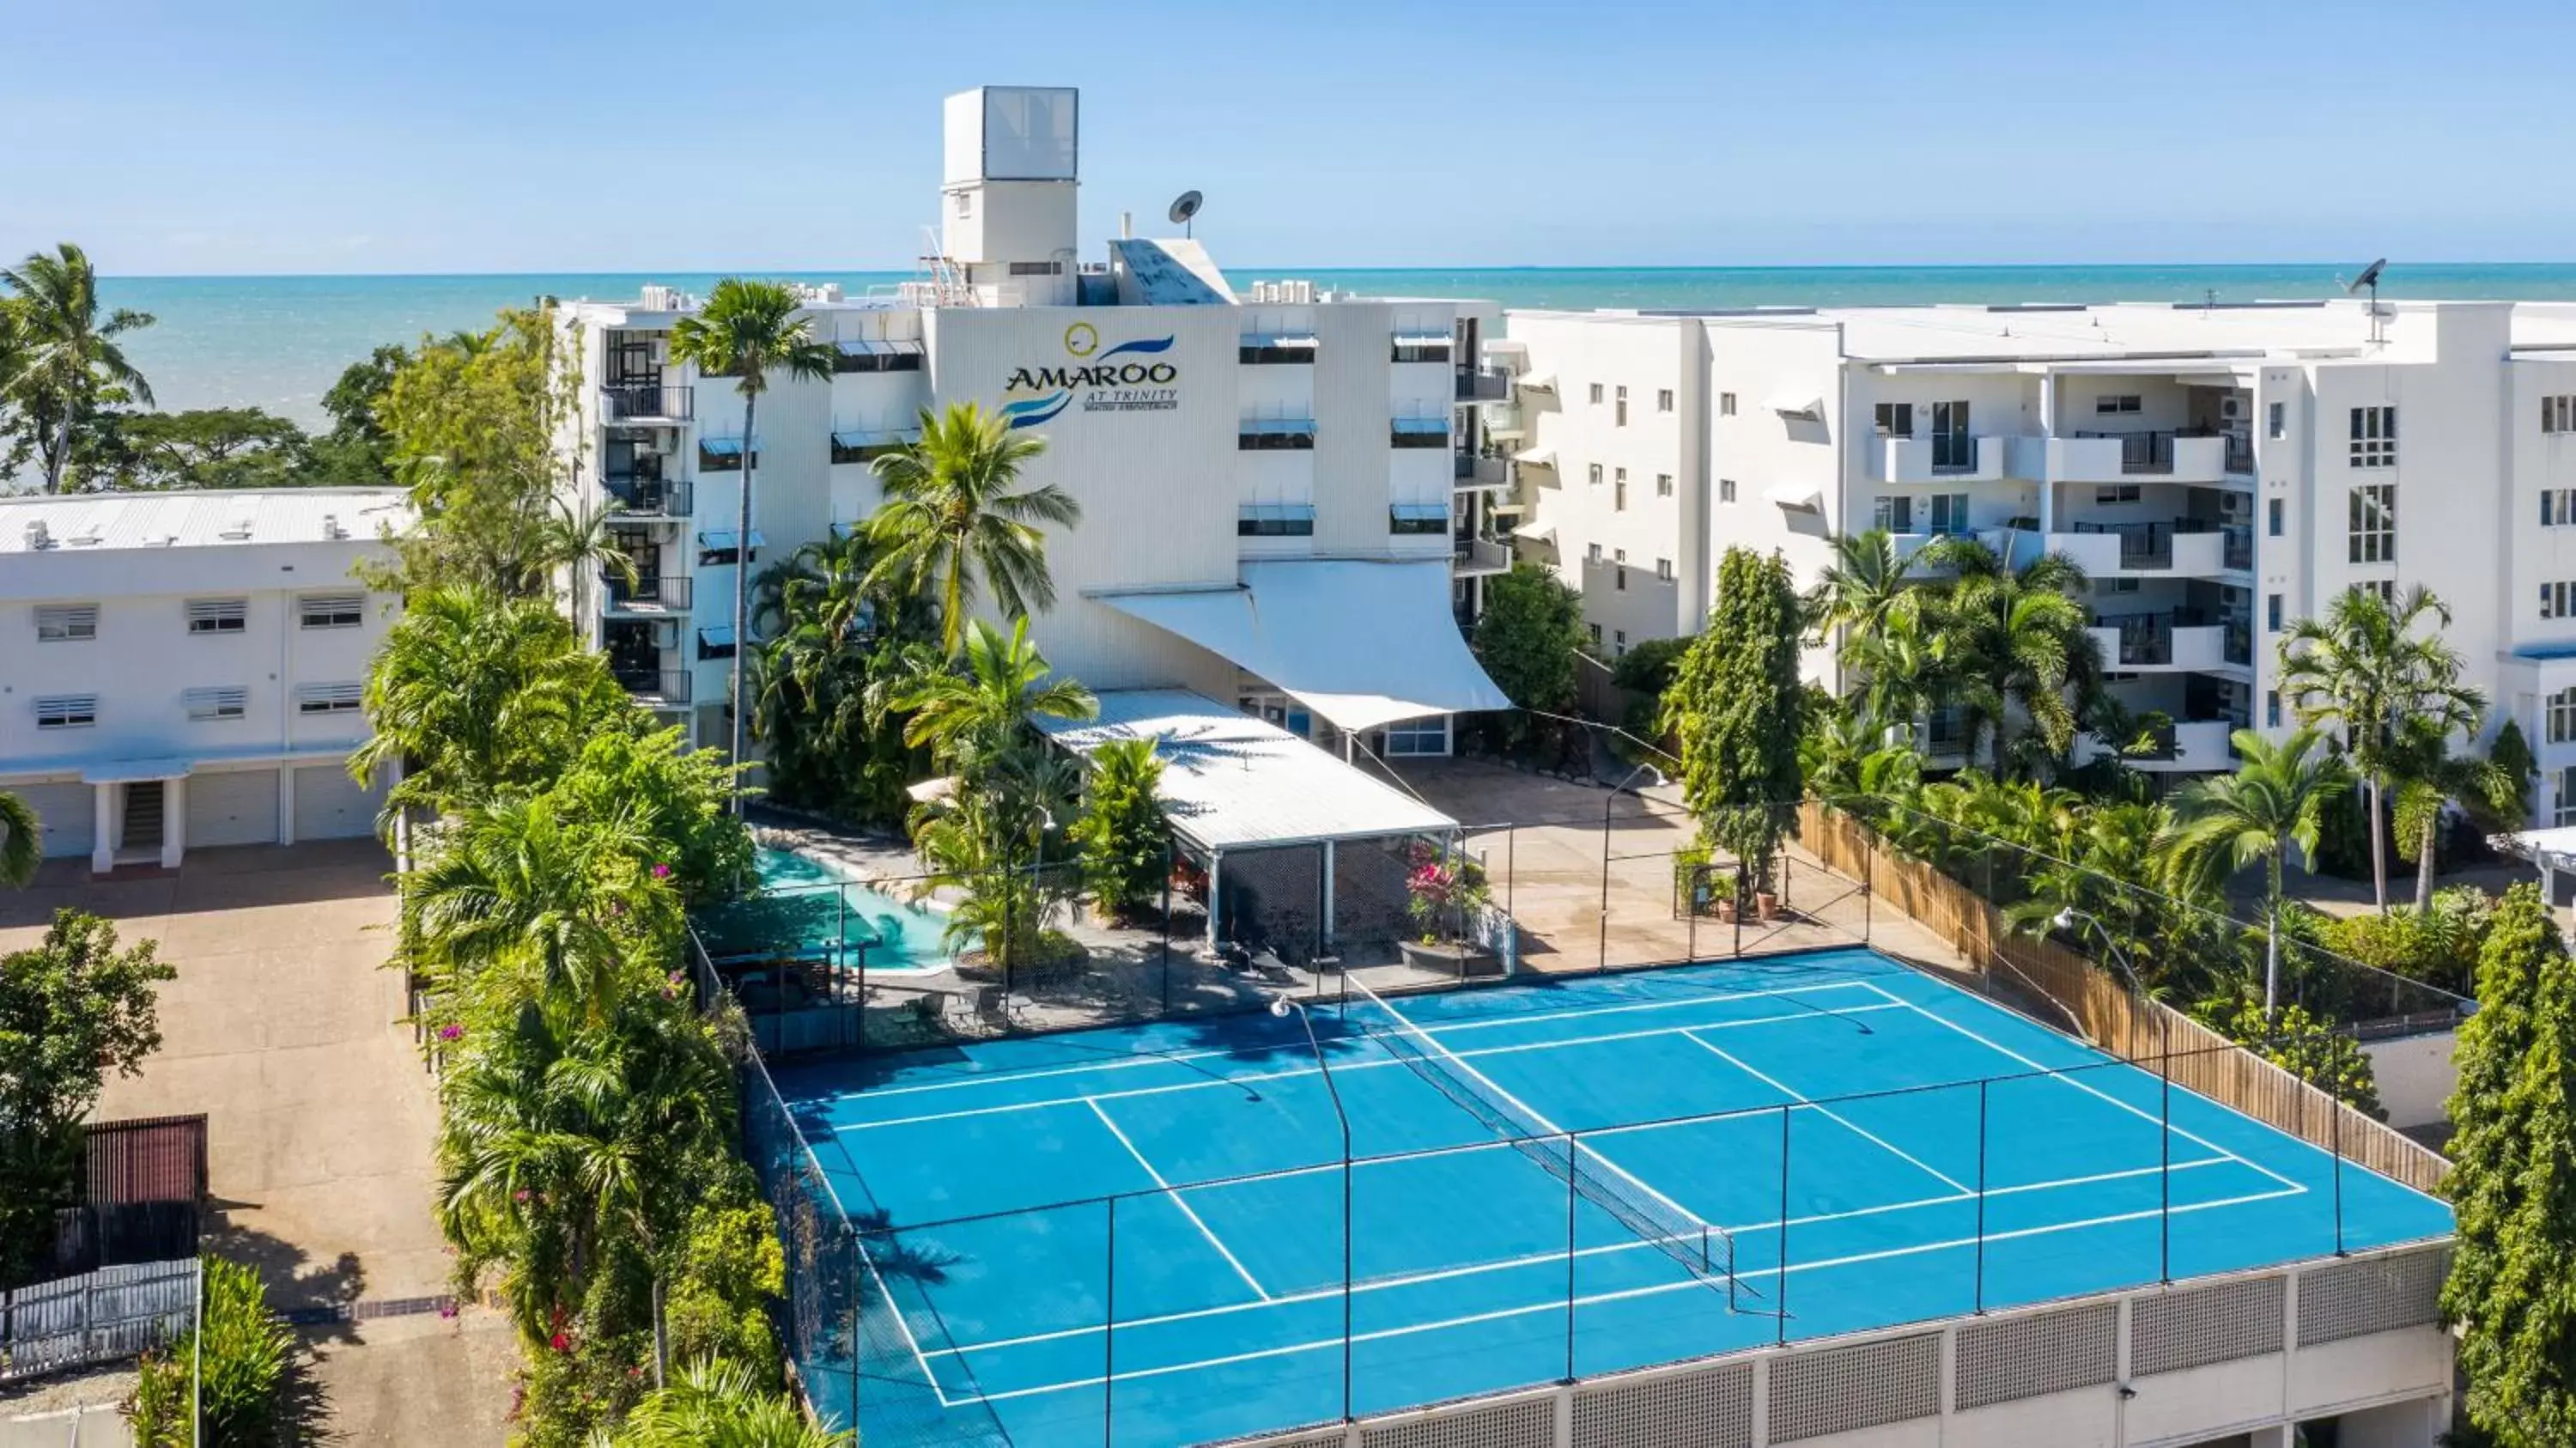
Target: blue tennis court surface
1941	1154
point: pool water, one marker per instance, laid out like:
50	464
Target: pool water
806	906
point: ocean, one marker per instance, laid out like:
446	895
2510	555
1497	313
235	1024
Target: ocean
279	342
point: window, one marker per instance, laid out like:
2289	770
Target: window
2374	437
1726	404
2277	420
67	711
1418	737
1895	419
2557	507
331	610
1592	475
1037	268
2115	585
2558	414
1619	490
208	705
1622	584
1595	630
718	548
2374	523
2567	796
1621	420
1596	394
1949	513
218	615
1593	552
61	623
1663	399
2272	616
1893	513
1275	434
2118	493
1726	490
1274	520
724	455
1417	518
2558	600
328	698
2271	708
1663	570
874	356
1663	485
2385	589
2117	404
2275	513
2562	717
1419	432
1425	348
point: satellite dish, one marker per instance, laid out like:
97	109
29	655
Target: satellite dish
1185	206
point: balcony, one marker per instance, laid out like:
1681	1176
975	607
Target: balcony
1480	472
2197	746
1272	434
1942	459
647	404
654	688
1475	557
649	496
2180	641
2109	457
1484	385
649	596
2112	550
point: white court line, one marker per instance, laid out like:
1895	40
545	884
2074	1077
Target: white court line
2089	1089
1944	1178
1291	1073
1171	1058
1181	1202
1542	1259
1629	1294
903	1326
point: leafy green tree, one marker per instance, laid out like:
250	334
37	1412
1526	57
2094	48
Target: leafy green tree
2299	1043
2014	640
576	539
522	902
2513	1183
2276	798
73	1009
1124	840
746	331
648	785
2511	755
981	709
957	522
2364	669
718	1405
832	652
22	840
473	435
223	447
1528	638
1737	708
65	361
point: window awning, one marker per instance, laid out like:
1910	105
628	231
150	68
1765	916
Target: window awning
1364	644
871	347
716	635
1790	404
1803	497
725	447
1537	457
1536	531
858	437
720	540
1535	382
1278	339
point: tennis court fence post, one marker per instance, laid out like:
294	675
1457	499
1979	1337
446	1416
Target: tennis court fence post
1780	1274
1109	1339
1571	1174
1980	1299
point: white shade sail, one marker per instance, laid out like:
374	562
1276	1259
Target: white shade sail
1362	643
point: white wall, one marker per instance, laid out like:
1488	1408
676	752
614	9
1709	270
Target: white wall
1759	448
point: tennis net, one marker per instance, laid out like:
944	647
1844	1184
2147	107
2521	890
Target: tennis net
1705	1250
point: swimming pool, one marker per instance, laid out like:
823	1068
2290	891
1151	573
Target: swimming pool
806	906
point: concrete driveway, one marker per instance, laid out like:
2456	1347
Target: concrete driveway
284	1028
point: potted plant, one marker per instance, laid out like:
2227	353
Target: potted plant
1442	892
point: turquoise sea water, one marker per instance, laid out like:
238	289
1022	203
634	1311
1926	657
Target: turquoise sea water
278	342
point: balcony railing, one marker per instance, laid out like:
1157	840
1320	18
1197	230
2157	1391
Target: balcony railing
2236	547
645	496
1484	386
649	593
2239	454
654	686
1470	556
641	404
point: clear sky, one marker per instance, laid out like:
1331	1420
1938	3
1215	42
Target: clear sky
290	136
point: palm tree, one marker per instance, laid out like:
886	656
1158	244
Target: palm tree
515	887
745	330
66	354
1867	581
718	1405
2365	670
22	840
978	711
956	521
2276	798
1900	667
2014	638
2428	777
576	536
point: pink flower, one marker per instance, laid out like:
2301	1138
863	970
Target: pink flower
521	1195
560	1342
661	872
451	1032
447	1309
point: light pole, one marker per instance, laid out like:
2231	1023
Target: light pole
1282	1005
2066	920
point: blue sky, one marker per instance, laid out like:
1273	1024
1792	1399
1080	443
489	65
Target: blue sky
291	136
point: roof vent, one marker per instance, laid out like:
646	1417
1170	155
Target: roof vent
235	532
39	537
89	539
331	526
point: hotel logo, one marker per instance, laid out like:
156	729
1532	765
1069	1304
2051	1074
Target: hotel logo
1143	382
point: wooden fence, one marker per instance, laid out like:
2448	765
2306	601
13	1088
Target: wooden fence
104	1316
2108	1013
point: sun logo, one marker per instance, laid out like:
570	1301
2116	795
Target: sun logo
1081	339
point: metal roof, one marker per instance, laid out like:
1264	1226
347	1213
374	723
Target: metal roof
1232	782
221	518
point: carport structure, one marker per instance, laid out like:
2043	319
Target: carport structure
1301	852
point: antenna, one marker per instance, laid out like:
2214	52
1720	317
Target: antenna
2370	278
1185	206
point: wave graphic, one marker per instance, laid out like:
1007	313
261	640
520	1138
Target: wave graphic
1035	410
1158	344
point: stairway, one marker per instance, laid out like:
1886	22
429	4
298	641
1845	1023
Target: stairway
142	819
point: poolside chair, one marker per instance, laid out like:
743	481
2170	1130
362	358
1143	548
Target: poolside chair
992	1007
931	1006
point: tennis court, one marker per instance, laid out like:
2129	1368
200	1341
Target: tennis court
1551	1180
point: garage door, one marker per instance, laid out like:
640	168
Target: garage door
331	806
238	807
69	814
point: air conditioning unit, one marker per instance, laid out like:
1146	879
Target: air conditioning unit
2235	507
2234	407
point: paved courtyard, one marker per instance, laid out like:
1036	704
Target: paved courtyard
283	1028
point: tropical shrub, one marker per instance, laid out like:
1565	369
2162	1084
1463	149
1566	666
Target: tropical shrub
2298	1043
1123	838
1442	889
243	1358
1737	709
1527	639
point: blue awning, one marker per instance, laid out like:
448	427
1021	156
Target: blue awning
720	540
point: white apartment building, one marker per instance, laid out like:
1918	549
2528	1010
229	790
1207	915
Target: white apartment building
1283	502
183	670
2218	471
